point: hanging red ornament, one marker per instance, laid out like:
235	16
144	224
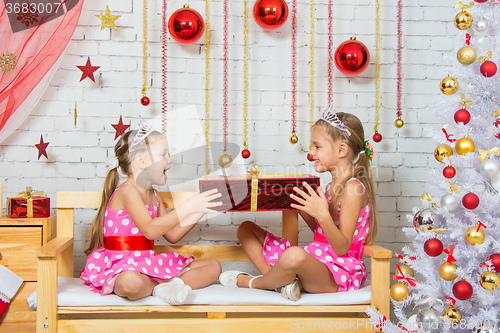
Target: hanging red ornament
245	153
462	290
433	247
449	172
480	1
462	116
88	70
186	25
352	57
488	68
41	148
377	137
495	259
270	14
470	201
120	128
310	157
145	100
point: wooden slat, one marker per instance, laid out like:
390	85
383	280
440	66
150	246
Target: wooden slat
290	226
224	253
47	296
376	251
18	246
54	247
380	284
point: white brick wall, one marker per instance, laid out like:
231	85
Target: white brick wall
77	156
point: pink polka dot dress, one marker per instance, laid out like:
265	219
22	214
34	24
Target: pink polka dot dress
348	270
104	265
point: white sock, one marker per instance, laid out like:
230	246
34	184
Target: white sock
174	292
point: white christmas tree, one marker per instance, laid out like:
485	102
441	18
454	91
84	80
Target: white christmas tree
456	249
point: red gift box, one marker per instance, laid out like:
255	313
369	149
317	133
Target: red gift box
257	192
29	204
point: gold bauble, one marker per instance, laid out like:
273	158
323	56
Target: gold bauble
466	55
449	85
447	271
399	122
489	280
406	270
225	160
399	292
473	237
463	20
464	146
453	314
294	139
442	151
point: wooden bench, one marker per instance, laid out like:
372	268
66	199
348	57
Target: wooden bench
56	259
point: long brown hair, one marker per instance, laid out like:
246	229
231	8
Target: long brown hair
112	180
361	169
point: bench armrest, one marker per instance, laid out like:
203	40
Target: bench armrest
54	247
377	251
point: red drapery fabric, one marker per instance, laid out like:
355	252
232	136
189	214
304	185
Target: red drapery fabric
37	50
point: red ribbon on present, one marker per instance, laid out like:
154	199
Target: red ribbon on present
411	281
480	224
450	254
451	299
467	39
448	136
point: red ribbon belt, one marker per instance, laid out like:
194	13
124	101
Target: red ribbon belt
128	243
355	250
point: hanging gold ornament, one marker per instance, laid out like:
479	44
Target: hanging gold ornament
442	151
489	280
464	146
449	85
406	270
399	122
294	139
447	271
453	314
473	236
399	292
463	20
466	55
225	160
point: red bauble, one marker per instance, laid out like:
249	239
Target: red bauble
449	172
433	247
245	153
488	68
186	25
497	124
145	101
480	1
495	258
462	290
352	57
270	14
470	201
310	157
377	137
462	116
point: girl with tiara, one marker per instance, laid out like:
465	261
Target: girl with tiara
343	218
121	257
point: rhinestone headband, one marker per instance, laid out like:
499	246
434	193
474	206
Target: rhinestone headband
143	130
330	116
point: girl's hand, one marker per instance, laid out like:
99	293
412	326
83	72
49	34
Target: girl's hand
202	202
314	204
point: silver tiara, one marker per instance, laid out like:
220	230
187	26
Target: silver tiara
330	116
143	130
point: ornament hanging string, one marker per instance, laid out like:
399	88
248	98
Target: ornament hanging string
451	299
311	67
399	112
144	47
467	39
479	225
207	86
411	281
330	52
377	67
164	69
246	59
225	79
294	66
403	259
448	136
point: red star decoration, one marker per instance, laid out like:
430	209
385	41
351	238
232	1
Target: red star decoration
88	70
120	128
41	148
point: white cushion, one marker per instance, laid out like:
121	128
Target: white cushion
74	292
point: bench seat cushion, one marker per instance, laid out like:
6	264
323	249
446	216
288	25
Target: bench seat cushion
74	292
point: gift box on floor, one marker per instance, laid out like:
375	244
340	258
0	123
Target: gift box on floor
28	204
256	192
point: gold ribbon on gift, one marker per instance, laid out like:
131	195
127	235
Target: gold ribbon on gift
488	55
427	196
496	113
463	100
463	6
29	195
483	153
